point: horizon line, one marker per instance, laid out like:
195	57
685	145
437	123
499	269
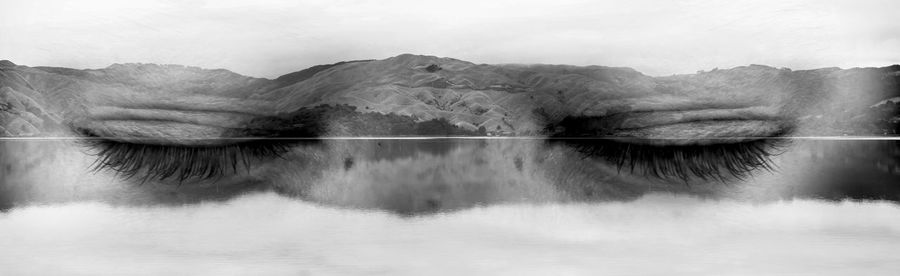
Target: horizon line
836	138
423	55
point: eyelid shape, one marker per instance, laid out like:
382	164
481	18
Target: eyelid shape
707	149
707	132
638	120
676	128
155	133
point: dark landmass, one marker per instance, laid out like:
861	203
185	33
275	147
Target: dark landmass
434	93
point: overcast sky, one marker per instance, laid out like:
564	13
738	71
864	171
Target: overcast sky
267	39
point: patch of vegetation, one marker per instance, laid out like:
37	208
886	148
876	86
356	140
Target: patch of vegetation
307	73
346	120
433	68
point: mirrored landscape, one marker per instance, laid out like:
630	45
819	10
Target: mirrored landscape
420	176
412	137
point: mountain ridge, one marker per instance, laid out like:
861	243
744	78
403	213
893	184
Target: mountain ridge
505	99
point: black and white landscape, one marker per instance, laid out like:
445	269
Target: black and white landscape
413	137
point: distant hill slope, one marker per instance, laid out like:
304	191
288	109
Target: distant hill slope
503	99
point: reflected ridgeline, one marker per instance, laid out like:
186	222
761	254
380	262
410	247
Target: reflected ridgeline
424	176
171	134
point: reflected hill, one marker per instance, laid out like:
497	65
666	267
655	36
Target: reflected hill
421	177
362	122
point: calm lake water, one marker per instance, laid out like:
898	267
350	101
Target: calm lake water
421	176
524	207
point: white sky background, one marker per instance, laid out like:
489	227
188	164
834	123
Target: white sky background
267	39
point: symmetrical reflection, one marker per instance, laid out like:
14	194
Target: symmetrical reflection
139	134
421	176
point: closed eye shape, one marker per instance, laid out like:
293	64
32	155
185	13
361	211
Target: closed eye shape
711	144
157	145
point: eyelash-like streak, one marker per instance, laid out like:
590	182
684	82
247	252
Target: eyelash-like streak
171	162
181	163
708	162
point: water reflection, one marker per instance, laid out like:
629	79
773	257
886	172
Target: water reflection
435	175
416	176
852	169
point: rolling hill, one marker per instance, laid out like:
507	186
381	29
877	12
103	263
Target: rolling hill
499	99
